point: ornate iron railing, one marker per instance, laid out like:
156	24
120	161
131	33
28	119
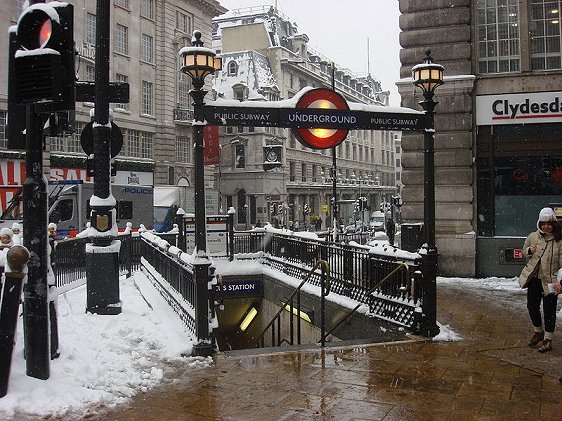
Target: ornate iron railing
354	271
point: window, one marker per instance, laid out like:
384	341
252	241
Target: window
146	138
291	171
147	9
497	26
3	134
544	28
303	172
147	53
68	142
122	3
240	157
121	39
90	73
242	207
133	147
123	79
182	149
232	68
90	28
124	209
146	105
183	22
62	212
183	91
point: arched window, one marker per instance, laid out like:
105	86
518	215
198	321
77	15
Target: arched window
232	68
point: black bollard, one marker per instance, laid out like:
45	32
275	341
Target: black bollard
17	257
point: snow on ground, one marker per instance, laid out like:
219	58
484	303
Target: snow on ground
107	359
103	359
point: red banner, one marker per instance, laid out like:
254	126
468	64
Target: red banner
211	138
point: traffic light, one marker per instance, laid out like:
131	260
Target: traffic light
16	123
44	60
272	209
306	209
280	208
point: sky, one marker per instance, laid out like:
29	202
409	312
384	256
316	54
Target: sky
339	30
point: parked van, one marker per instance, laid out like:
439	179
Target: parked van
69	206
376	223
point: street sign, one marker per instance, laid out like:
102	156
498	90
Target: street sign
117	91
87	139
318	137
354	119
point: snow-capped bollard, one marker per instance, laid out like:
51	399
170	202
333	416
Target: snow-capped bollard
16	271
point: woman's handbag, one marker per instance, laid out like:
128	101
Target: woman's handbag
534	272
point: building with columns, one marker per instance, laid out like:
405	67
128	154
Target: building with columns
145	38
265	57
497	148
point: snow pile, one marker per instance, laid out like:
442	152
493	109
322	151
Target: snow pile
103	359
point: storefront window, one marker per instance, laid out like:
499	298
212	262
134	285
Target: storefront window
521	186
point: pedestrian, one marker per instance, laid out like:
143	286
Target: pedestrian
543	249
390	230
6	235
296	226
17	238
52	229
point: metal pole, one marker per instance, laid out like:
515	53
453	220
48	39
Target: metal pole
36	306
204	345
102	292
429	259
335	210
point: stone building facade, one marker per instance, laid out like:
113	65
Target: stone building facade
145	38
265	57
495	168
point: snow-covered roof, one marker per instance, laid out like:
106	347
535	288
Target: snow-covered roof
252	71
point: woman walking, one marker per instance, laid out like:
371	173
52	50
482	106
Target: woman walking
543	248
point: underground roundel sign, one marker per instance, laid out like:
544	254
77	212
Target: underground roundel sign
321	98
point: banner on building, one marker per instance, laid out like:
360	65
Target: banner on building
212	149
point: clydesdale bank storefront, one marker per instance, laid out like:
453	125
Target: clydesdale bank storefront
519	171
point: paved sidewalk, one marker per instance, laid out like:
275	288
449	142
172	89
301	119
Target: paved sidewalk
488	375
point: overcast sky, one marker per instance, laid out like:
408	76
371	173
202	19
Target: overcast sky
340	29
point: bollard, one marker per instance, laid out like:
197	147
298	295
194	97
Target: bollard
17	258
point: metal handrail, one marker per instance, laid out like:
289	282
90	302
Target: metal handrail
325	290
385	279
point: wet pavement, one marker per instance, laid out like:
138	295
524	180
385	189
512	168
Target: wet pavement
490	374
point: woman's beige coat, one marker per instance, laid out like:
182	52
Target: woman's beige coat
548	252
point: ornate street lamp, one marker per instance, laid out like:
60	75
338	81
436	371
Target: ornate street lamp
428	76
199	62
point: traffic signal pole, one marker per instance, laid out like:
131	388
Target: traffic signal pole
102	255
36	305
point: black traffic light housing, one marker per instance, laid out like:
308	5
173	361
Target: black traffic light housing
16	123
44	61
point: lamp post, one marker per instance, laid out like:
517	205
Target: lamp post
428	76
199	62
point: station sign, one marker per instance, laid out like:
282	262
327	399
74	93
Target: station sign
241	288
317	106
306	116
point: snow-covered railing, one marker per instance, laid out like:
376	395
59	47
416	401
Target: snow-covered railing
172	273
354	270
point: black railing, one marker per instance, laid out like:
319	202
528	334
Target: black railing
280	330
354	271
175	280
69	258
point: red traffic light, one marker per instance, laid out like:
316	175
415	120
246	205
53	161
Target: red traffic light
44	58
45	33
36	27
